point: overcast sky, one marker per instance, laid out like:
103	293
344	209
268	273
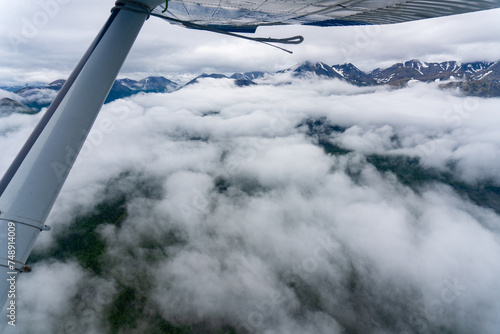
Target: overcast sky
43	40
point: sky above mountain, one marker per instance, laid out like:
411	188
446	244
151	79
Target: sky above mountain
43	40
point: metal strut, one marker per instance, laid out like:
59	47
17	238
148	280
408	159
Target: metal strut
32	183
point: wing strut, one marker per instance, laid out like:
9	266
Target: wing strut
32	183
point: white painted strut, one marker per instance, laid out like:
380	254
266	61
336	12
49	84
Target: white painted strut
31	185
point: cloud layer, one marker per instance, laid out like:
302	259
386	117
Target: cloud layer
239	218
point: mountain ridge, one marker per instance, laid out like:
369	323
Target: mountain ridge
480	78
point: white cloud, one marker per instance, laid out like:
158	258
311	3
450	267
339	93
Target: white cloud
251	224
60	297
6	94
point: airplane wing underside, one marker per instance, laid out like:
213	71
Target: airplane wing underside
252	13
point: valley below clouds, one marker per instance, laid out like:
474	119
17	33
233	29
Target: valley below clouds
298	205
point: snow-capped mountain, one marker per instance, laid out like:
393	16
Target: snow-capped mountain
9	106
38	97
354	75
204	76
491	73
248	75
484	82
401	73
308	68
239	79
474	78
128	87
